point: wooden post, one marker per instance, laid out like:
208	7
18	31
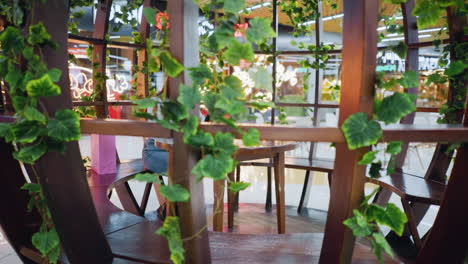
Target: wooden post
359	62
183	38
65	187
142	57
101	25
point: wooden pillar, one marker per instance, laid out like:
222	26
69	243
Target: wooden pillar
358	78
447	241
17	224
142	56
101	25
99	156
63	176
184	47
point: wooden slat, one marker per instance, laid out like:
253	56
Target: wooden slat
358	78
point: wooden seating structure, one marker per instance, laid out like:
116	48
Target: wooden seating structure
309	165
132	239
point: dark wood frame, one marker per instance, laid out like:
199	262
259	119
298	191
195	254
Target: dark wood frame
89	245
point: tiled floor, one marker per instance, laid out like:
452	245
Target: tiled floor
130	148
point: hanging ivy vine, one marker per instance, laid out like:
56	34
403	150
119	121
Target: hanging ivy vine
34	132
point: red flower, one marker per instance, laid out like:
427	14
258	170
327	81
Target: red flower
204	112
240	29
226	116
162	20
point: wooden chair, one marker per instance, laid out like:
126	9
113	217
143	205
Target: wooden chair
411	189
308	164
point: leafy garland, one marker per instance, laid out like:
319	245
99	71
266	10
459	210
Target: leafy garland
220	93
34	132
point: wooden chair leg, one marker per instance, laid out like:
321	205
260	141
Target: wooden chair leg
279	188
236	204
127	198
218	205
268	206
231	202
305	191
412	224
145	198
329	179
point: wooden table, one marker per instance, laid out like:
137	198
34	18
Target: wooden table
267	149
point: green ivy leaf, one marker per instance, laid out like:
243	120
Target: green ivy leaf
32	188
38	34
234	6
238	186
65	126
455	68
6	132
189	96
200	74
171	231
144	103
42	87
392	108
12	40
230	106
237	51
391	166
45	241
200	139
32	114
428	13
175	193
150	15
358	225
174	111
191	126
222	36
359	131
409	79
54	74
224	142
400	49
436	78
30	153
26	131
374	170
368	158
214	167
394	147
234	82
262	79
251	137
260	30
379	243
170	65
147	177
55	145
390	216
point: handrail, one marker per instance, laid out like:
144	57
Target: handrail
402	132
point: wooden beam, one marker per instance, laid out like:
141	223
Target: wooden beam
183	38
65	187
358	78
99	54
142	56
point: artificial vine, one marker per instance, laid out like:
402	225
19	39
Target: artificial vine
34	132
360	132
220	93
